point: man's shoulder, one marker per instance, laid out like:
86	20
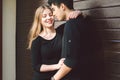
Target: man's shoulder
76	23
75	20
60	28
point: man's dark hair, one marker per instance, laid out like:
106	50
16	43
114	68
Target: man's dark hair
68	3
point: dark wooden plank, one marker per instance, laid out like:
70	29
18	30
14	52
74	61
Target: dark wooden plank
88	4
110	34
113	56
102	13
112	50
112	68
26	10
112	77
23	29
111	71
1	39
113	23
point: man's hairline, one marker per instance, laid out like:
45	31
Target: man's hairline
55	4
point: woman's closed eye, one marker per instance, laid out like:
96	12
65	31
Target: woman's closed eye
44	15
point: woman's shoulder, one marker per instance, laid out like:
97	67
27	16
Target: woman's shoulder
37	39
36	43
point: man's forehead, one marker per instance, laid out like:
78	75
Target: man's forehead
53	7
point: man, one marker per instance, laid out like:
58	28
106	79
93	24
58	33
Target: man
74	40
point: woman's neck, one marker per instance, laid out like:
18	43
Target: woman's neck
48	33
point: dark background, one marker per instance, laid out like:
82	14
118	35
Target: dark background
1	39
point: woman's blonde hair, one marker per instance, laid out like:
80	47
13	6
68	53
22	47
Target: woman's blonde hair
36	26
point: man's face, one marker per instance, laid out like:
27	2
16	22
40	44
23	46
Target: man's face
58	12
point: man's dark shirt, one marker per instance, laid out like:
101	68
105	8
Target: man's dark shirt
75	49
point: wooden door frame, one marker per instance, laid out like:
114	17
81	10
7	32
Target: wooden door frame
1	39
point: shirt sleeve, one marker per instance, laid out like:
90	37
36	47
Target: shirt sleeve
36	55
71	43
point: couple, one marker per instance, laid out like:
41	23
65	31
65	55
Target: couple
57	54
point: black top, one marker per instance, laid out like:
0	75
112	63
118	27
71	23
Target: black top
46	52
74	47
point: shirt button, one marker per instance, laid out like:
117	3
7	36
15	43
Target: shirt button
69	40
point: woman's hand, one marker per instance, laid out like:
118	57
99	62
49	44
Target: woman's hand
74	14
60	63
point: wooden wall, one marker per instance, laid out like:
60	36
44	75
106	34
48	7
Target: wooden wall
105	16
25	13
1	39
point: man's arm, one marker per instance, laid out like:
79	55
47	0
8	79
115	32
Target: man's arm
62	72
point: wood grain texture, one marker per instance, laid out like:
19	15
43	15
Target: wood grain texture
1	39
90	4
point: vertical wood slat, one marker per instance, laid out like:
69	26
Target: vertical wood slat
1	39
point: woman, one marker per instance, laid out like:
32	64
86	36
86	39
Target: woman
45	43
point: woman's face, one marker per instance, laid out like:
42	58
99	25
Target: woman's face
47	19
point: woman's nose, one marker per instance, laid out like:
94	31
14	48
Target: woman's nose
48	17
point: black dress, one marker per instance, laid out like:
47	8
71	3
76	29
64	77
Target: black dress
46	52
